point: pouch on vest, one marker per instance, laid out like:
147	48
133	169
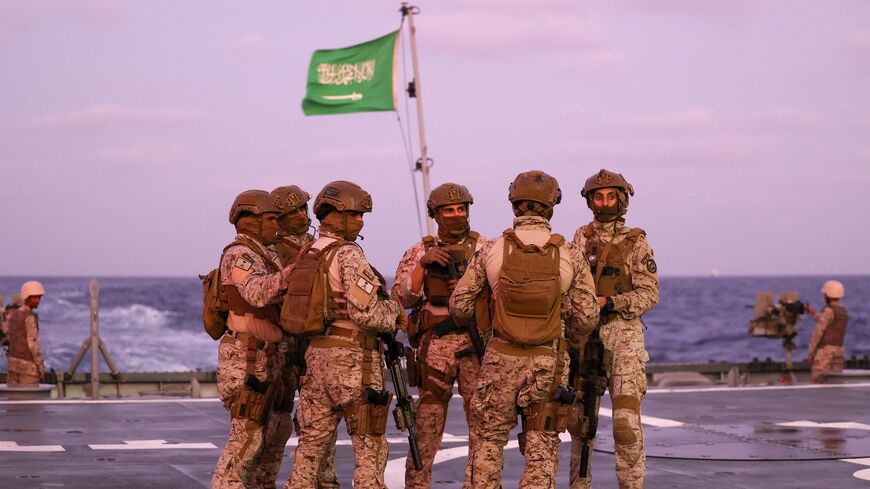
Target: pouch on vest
529	295
310	302
215	307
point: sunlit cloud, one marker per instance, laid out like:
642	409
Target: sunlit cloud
22	15
692	118
859	40
786	118
502	34
249	43
150	155
113	115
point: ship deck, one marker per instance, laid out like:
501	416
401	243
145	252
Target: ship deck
799	436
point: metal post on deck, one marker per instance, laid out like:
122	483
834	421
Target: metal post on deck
95	339
96	345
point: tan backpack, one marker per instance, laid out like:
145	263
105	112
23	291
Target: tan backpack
310	302
215	304
529	294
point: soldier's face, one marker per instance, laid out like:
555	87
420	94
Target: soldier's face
33	301
453	210
605	198
270	228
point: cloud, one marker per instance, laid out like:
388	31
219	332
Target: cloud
786	117
248	44
22	15
150	155
497	34
599	59
859	40
692	118
99	116
712	148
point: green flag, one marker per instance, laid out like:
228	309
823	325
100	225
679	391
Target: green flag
353	79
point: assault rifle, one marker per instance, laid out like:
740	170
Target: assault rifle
404	413
470	326
592	370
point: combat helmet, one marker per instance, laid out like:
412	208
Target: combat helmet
343	196
31	288
834	289
447	194
257	202
605	179
290	198
536	186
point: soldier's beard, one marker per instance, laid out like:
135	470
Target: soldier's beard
342	225
452	229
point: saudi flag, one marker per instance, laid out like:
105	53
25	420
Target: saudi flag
353	79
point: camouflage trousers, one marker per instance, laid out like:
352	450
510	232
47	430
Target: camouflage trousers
22	373
442	369
331	387
237	465
279	425
627	389
827	359
507	382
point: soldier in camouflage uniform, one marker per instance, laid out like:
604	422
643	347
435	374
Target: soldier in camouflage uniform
627	285
826	353
293	225
25	363
444	349
345	374
525	365
253	282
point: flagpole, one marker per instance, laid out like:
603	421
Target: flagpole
422	163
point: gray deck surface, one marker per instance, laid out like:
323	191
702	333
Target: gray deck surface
731	438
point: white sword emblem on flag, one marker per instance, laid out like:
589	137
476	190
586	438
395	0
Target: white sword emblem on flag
353	96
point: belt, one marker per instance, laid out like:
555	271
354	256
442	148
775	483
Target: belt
249	341
337	337
506	347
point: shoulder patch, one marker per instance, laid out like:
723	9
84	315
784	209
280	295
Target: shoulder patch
245	262
362	292
651	266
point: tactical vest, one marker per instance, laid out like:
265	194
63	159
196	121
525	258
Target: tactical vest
18	346
239	305
436	277
310	303
608	261
835	333
287	251
529	295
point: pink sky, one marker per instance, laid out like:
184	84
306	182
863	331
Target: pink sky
128	127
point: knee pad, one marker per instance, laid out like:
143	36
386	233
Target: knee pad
623	433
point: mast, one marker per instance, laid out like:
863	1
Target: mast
423	162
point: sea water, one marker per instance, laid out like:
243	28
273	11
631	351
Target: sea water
153	324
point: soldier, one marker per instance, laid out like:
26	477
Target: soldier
25	363
254	283
533	275
826	346
445	352
344	375
627	285
293	224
